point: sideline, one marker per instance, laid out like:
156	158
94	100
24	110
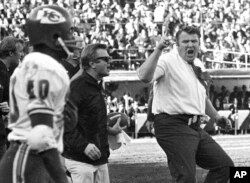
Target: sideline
216	137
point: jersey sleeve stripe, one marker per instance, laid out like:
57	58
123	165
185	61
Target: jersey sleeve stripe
41	110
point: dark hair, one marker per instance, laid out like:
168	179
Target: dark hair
8	44
189	30
20	41
89	53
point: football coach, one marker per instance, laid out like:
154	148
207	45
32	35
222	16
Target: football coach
86	149
179	103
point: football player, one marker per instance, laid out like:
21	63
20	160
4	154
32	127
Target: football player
38	91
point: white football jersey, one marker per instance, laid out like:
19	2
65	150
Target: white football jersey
39	85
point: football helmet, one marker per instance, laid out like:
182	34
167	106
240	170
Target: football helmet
51	25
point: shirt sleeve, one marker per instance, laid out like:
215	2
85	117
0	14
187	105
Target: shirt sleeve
161	68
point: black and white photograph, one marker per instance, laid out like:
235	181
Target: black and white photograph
124	91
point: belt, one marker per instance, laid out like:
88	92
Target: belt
196	119
193	121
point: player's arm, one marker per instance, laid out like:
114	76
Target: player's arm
41	137
146	72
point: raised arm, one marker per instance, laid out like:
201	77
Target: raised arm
147	69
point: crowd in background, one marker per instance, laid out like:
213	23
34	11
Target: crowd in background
224	99
132	28
221	99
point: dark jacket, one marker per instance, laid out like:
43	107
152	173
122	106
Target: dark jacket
4	97
88	97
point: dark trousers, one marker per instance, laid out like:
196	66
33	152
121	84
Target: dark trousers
3	138
185	147
2	150
23	165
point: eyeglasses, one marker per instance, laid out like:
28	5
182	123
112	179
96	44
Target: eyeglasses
105	59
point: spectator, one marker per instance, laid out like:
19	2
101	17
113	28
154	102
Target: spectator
212	94
243	97
143	43
225	101
218	104
223	93
159	12
235	95
132	55
155	38
121	38
234	112
130	27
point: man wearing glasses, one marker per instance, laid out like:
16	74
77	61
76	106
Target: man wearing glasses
86	143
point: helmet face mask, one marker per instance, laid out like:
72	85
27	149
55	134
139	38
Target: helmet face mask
47	24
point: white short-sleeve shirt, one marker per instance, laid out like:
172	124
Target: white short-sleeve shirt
178	91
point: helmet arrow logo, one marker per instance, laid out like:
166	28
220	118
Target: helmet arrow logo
50	16
51	25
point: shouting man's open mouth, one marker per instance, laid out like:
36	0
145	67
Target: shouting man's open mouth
190	52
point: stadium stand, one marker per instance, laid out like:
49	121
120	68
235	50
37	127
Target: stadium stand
132	28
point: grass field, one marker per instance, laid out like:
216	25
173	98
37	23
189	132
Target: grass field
143	161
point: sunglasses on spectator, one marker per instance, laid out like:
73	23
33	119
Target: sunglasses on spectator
105	59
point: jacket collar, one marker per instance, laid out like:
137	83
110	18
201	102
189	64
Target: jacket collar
89	79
